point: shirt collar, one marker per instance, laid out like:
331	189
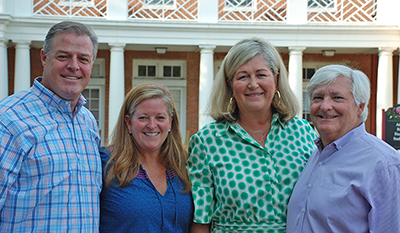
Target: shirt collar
54	100
344	140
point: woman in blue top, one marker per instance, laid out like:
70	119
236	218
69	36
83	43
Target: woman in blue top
146	185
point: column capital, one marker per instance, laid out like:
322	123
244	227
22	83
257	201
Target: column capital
386	50
207	48
22	44
297	48
117	46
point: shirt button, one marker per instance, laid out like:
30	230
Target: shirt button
309	185
86	189
303	210
319	163
88	214
83	165
340	147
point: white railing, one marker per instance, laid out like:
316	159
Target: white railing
229	11
342	11
252	11
175	10
70	8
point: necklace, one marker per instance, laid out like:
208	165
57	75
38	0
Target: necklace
259	135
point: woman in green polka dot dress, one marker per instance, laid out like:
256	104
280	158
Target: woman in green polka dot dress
244	165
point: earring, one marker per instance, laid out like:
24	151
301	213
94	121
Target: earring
130	132
231	106
278	102
169	130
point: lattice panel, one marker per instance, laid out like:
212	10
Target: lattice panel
178	10
342	11
70	8
252	11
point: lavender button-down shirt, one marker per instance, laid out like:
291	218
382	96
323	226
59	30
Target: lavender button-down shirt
351	185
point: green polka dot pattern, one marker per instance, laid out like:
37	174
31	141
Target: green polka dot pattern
240	185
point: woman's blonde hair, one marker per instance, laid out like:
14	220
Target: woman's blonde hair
287	106
124	165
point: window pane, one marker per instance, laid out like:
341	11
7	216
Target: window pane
95	93
160	2
151	71
310	73
92	96
142	70
177	71
94	104
167	71
320	3
176	95
238	3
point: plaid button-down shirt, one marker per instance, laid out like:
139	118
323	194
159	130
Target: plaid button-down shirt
50	168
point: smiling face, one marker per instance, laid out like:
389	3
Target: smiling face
333	110
68	65
254	86
149	125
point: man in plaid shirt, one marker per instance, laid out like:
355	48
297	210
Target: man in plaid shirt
50	169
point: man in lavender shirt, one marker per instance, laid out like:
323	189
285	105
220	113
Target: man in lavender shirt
351	183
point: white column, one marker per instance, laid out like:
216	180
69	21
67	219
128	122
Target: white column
117	85
208	11
297	11
206	81
3	70
384	93
22	76
296	74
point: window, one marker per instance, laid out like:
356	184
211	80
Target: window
94	93
159	69
172	71
159	2
98	69
240	4
166	4
318	5
92	96
147	71
307	74
76	2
